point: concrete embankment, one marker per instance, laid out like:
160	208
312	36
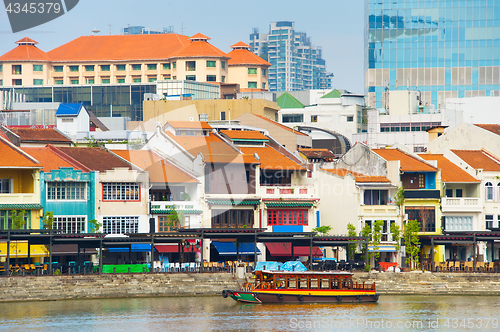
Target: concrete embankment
145	285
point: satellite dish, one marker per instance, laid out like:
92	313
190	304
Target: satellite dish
95	31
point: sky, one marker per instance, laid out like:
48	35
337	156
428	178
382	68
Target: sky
335	25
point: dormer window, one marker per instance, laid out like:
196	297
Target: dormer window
248	142
191	132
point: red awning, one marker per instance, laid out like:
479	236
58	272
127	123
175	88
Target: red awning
166	248
284	249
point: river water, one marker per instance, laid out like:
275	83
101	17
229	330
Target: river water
391	313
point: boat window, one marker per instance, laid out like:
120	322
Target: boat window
335	283
303	283
313	283
292	282
279	282
325	283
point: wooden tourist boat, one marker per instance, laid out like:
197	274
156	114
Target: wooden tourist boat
309	286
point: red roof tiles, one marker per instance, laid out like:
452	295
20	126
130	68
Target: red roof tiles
160	170
49	159
494	128
479	159
240	55
121	47
358	176
199	47
25	52
49	135
449	171
12	156
408	163
96	159
272	159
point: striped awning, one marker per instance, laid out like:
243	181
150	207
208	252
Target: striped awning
233	201
20	207
288	204
170	211
382	248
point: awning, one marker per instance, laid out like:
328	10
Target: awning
20	250
20	207
139	247
288	204
71	249
170	211
173	248
284	249
233	201
229	248
382	248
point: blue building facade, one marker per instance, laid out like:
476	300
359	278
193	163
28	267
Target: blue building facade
70	195
442	48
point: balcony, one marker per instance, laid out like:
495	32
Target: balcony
287	192
384	211
422	194
20	198
461	204
162	207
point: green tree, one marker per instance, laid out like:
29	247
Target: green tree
322	230
412	242
18	220
396	234
175	217
96	225
48	220
399	198
351	248
93	143
376	238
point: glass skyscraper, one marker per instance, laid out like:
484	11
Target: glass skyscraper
442	48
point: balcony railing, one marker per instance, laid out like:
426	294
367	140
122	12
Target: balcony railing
450	204
179	205
287	192
422	193
19	198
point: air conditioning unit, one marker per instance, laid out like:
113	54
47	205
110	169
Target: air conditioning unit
191	119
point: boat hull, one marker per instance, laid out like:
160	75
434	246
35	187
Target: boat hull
302	296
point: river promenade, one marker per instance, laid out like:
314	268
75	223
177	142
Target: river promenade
42	288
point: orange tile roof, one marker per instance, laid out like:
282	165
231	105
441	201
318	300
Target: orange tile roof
189	125
317	153
449	171
494	128
119	48
39	135
199	36
199	47
160	170
280	125
479	159
240	55
244	134
26	40
12	156
358	176
25	53
408	163
214	149
272	159
48	159
96	159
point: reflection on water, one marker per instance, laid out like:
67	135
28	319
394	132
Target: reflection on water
423	313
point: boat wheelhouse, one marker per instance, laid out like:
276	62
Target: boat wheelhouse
307	286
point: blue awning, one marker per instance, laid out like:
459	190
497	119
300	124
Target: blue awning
382	248
140	247
229	248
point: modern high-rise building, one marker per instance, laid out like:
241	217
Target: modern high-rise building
441	48
296	63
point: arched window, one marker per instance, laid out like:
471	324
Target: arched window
489	191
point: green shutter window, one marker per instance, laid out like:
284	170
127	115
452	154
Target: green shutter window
37	67
105	81
263	85
37	82
211	78
1	68
120	80
252	85
136	80
58	69
136	67
74	81
120	67
90	81
1	82
74	68
58	82
263	72
223	64
166	66
105	67
210	64
152	66
175	64
89	68
151	79
252	71
190	77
